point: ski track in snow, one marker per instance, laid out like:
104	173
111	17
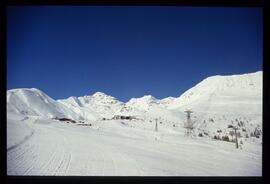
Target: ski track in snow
104	160
27	137
67	149
25	158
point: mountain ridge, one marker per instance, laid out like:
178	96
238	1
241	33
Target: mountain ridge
212	90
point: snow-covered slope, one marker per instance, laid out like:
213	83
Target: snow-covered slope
39	146
144	103
231	95
147	102
218	101
224	89
219	98
105	146
166	102
36	103
98	105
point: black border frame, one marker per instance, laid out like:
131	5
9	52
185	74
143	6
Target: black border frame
107	179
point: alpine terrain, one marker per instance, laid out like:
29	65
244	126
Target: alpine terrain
98	135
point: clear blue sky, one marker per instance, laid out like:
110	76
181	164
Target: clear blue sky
128	51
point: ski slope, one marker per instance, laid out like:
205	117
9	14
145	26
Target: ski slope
116	148
38	144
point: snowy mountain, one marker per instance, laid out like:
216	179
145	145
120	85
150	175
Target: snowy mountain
166	102
232	95
220	99
151	144
143	103
36	103
98	104
223	88
146	102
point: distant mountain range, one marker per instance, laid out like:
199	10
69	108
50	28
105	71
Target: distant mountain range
219	98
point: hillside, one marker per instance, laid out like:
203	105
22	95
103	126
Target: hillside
100	135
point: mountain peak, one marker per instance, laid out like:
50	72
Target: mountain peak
236	81
223	86
150	97
24	89
99	94
143	103
28	91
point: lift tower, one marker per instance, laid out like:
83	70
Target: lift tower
188	125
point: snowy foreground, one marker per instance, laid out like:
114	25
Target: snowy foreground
42	146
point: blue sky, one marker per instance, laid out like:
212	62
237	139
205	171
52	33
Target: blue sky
128	51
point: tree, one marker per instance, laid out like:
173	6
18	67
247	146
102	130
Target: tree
225	138
257	132
230	126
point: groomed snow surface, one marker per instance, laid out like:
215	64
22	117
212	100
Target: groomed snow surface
38	144
42	146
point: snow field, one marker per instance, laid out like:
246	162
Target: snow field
57	148
39	145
